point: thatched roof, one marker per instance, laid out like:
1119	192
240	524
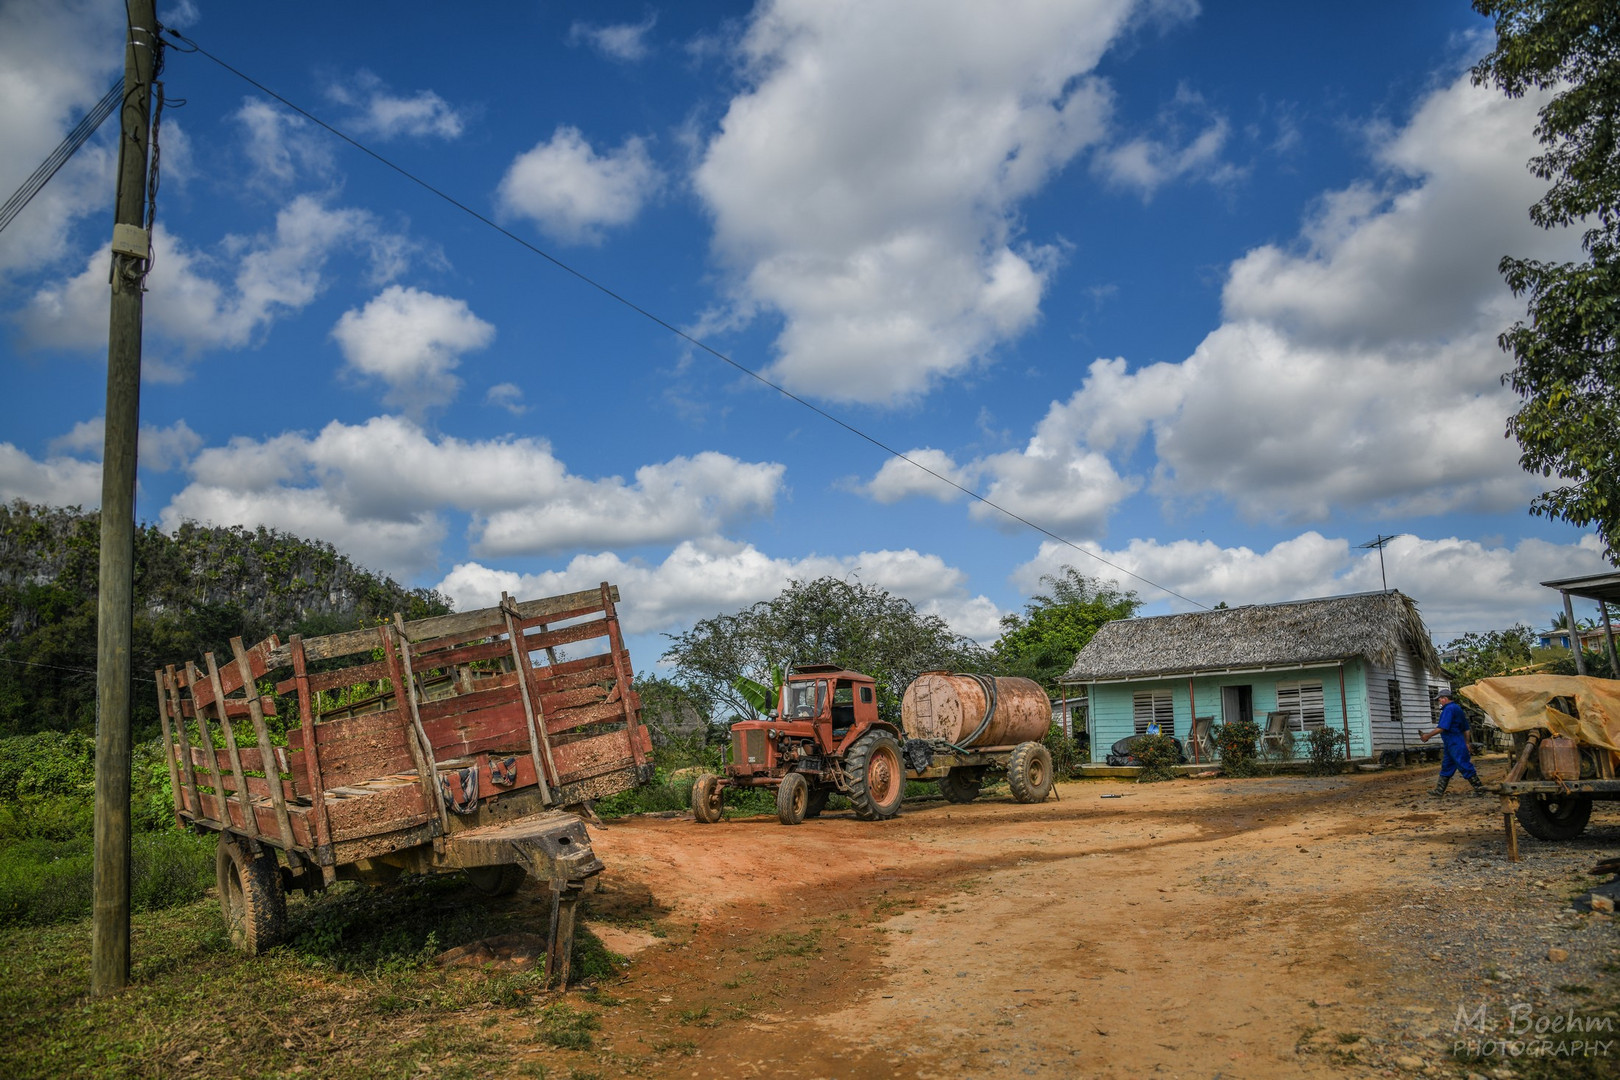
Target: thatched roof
1328	630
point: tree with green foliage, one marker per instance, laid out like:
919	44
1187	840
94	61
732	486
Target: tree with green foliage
826	621
1041	644
195	589
1567	352
1496	652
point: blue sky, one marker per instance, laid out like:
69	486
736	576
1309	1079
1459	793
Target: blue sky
1208	290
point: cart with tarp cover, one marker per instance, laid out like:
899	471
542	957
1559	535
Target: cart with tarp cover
1566	749
469	742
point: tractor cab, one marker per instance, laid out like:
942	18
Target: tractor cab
833	699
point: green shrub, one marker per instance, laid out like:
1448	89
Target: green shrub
1065	752
1327	751
1157	753
1237	741
47	881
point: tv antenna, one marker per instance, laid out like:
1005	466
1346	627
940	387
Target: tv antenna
1379	542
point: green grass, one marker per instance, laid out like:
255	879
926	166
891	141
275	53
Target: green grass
47	881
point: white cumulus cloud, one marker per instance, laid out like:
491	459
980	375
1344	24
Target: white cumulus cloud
382	490
620	41
380	112
412	341
865	184
573	193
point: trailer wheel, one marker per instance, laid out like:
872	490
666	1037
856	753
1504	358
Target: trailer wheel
792	799
1029	772
877	778
817	802
961	784
250	896
706	806
500	880
1554	817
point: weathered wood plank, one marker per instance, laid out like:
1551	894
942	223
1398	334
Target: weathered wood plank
569	719
383	811
322	681
500	728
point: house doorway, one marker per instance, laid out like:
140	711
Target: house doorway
1237	703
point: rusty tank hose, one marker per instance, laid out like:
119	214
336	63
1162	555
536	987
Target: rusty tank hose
987	683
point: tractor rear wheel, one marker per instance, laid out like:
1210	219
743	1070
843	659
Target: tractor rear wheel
250	895
1554	817
877	777
1029	772
792	799
818	801
706	805
961	784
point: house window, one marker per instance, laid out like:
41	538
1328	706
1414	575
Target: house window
1304	701
1395	713
1155	705
1434	704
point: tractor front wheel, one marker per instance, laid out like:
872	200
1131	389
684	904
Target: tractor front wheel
1029	772
706	806
792	799
877	777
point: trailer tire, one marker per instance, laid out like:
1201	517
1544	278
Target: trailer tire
250	896
961	784
1554	817
877	776
503	879
792	799
818	801
1029	772
706	806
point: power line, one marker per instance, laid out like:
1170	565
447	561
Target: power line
191	46
69	146
59	667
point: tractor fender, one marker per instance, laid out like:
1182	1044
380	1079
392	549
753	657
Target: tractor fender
857	733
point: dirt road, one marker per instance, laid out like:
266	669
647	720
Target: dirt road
1281	927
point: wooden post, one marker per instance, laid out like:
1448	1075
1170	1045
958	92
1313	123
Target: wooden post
207	739
250	823
621	676
1608	637
1192	728
168	746
322	827
532	714
1344	714
267	752
1574	634
426	765
188	768
109	937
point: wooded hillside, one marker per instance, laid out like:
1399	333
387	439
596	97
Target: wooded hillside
194	591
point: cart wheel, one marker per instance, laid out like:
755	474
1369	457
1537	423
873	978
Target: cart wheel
817	802
706	806
1554	817
961	784
250	896
877	779
501	880
1029	772
792	799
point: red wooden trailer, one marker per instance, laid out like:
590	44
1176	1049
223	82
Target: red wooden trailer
480	764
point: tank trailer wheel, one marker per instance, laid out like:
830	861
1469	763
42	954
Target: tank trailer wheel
792	799
501	880
250	896
1029	772
877	777
817	802
1554	817
706	806
961	784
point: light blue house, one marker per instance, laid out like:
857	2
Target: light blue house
1362	664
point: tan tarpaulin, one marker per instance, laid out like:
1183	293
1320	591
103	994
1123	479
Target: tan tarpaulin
1524	702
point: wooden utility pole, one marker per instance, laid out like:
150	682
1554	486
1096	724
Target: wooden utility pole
109	948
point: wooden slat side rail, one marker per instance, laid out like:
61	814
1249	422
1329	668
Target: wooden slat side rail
265	826
533	729
594	607
358	748
546	608
312	753
501	728
588	757
398	654
331	646
606	713
322	681
575	673
171	687
462	654
207	737
256	785
626	692
391	809
224	716
491	698
261	731
237	707
231	679
168	741
567	635
252	763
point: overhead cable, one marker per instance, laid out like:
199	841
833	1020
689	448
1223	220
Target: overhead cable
76	138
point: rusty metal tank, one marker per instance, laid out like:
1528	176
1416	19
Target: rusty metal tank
975	710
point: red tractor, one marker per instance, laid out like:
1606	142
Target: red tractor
824	737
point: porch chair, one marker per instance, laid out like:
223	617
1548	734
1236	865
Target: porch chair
1203	747
1277	730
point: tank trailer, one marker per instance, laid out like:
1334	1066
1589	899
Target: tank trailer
826	736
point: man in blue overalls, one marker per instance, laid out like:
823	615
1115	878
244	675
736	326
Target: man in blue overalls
1452	727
